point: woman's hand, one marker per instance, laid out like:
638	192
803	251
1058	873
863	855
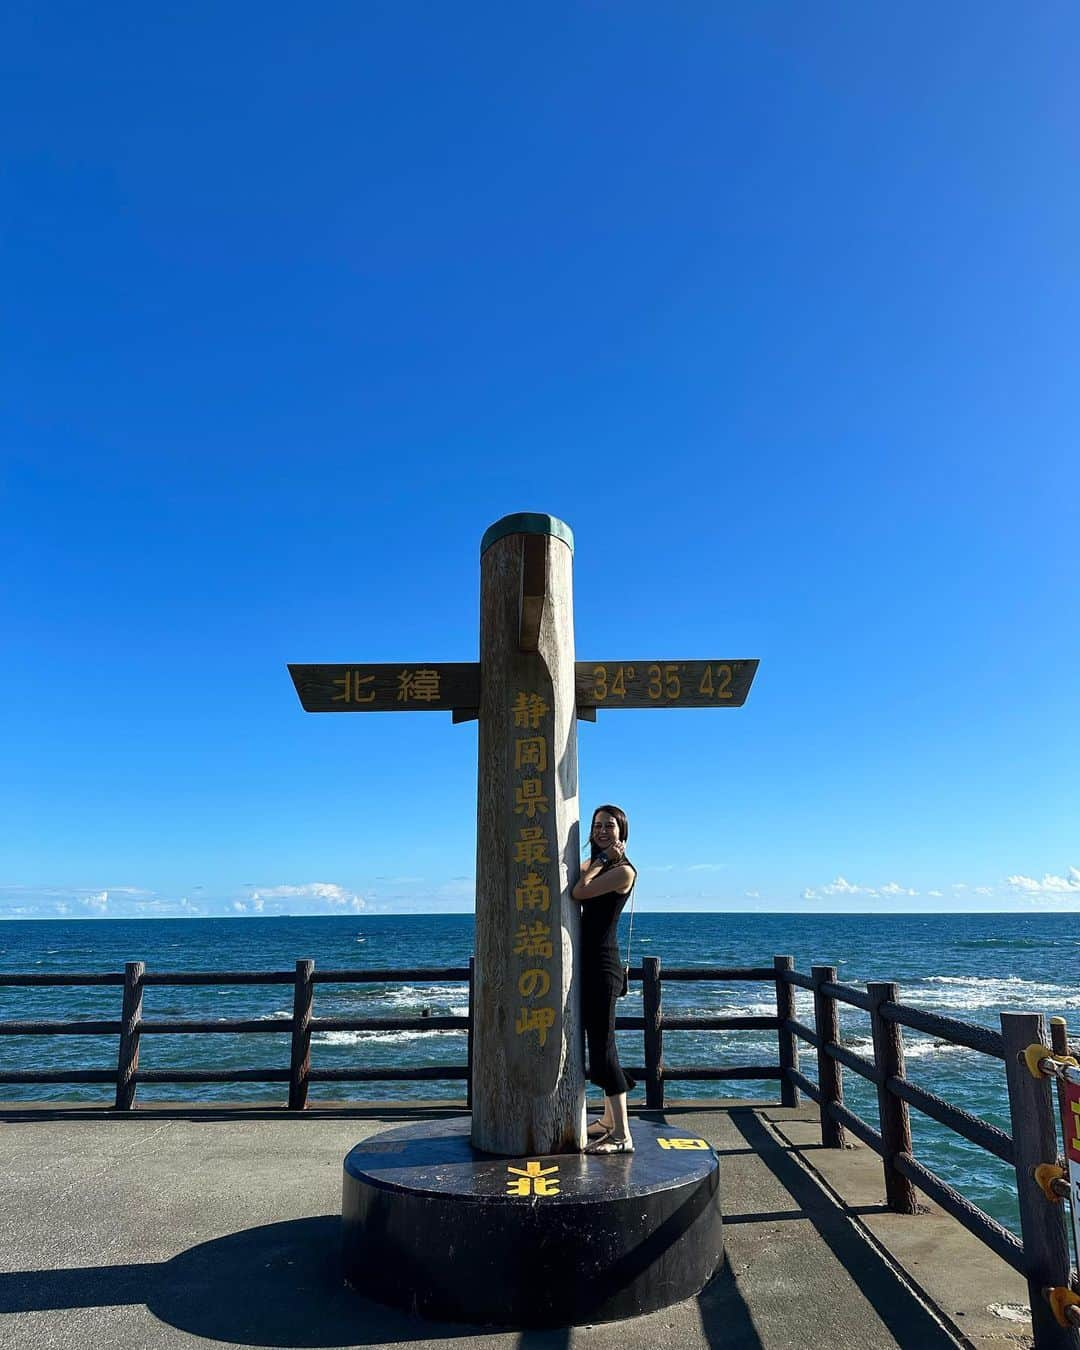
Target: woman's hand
616	851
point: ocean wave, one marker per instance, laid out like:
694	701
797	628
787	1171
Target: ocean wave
971	992
1016	943
407	995
377	1037
915	1047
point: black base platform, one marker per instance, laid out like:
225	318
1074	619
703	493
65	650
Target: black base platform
434	1227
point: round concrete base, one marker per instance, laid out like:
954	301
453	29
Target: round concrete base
434	1227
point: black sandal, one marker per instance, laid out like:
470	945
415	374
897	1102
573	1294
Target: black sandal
609	1144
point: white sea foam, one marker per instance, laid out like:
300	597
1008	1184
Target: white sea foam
915	1047
970	992
376	1037
409	996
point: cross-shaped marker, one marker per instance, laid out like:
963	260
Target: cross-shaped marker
528	1086
532	1179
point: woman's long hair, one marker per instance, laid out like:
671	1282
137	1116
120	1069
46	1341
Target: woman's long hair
620	817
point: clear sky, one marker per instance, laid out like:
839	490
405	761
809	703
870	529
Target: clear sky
777	305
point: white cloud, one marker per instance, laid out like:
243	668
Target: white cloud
99	901
752	895
841	886
706	867
894	888
328	891
1049	885
984	890
936	894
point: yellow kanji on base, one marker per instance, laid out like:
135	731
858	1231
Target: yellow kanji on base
532	1179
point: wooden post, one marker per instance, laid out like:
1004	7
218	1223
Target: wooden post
830	1075
469	1035
300	1059
528	1093
788	1044
892	1111
654	1033
1042	1224
130	1017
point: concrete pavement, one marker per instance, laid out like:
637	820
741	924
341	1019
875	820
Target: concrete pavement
169	1229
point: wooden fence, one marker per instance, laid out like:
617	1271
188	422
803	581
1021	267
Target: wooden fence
1042	1256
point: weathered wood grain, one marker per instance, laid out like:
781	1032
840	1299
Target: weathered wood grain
528	1086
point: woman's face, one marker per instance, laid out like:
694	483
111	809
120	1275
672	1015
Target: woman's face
605	830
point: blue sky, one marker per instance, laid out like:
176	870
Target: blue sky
776	306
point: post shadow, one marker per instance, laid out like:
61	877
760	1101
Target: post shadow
906	1318
276	1285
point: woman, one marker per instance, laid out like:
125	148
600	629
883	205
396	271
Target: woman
606	881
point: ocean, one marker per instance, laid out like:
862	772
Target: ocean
968	966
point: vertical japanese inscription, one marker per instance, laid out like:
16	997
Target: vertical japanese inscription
531	869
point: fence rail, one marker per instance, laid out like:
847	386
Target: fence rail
1042	1256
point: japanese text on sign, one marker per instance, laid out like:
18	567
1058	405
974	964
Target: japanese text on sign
531	855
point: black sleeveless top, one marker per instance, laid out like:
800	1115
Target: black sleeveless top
600	926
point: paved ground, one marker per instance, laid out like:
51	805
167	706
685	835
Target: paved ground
200	1227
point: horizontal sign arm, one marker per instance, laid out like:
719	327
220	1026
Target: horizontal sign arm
663	684
455	686
402	687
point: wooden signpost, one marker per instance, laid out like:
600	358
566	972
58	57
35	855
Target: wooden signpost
528	1089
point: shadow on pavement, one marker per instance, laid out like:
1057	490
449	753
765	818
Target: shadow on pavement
277	1285
909	1322
281	1285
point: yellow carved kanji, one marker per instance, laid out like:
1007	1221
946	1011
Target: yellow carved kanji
531	752
540	1020
533	983
350	685
533	940
529	798
683	1143
528	710
532	1179
532	846
532	893
1074	1107
420	685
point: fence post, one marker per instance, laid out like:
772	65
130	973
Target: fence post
1042	1224
1059	1043
300	1059
788	1045
130	1016
892	1112
469	1035
654	1033
830	1074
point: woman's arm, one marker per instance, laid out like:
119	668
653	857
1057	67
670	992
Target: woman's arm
590	884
